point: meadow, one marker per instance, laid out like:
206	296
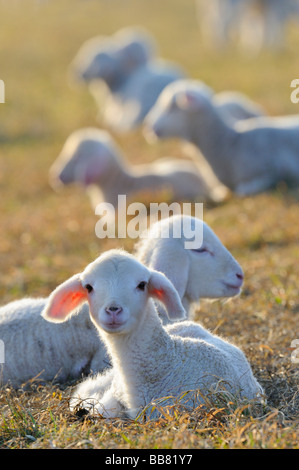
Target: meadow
46	237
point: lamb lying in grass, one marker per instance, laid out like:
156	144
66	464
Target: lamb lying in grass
248	157
148	362
125	63
91	158
36	348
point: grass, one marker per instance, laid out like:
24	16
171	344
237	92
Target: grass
47	237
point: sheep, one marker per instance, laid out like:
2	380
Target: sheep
248	157
148	362
36	348
92	158
255	23
124	76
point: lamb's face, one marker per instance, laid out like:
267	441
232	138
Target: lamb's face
166	119
117	293
213	271
83	161
102	66
177	108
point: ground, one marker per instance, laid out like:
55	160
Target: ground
46	237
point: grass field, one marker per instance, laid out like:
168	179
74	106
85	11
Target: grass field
46	237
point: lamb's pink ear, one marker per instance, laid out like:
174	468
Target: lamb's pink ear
189	100
64	300
160	288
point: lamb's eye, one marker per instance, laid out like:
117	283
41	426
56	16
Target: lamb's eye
141	285
201	250
89	288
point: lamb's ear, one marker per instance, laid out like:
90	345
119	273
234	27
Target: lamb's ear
190	101
64	300
160	288
173	260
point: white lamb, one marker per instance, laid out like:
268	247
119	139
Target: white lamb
133	78
148	362
253	23
92	158
248	157
36	348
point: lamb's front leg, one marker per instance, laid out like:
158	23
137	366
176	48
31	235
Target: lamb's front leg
108	406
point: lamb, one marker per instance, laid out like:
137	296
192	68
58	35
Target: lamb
255	23
205	272
36	348
148	362
248	157
124	69
92	158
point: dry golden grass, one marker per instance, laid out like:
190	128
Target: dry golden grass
47	237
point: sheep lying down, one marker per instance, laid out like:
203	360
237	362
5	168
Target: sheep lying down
133	77
149	362
248	156
91	158
37	349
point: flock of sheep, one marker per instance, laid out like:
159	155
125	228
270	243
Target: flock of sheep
126	322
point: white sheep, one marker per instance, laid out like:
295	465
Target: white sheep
248	157
253	23
133	78
148	362
92	158
36	348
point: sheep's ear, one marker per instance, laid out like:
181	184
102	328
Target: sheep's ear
190	101
160	288
174	264
64	300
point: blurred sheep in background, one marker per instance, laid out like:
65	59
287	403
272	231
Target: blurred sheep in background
123	75
255	24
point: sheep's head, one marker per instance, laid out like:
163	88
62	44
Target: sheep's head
179	104
96	60
86	158
117	288
207	270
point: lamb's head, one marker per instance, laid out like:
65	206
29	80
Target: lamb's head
180	104
202	269
96	60
118	289
112	58
134	47
87	157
